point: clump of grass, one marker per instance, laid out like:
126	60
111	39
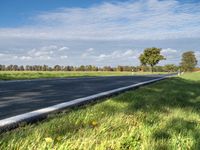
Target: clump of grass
164	115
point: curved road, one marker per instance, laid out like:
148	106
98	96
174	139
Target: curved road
18	97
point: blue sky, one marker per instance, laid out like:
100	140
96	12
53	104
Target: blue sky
17	12
99	32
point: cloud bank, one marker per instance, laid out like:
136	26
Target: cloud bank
144	19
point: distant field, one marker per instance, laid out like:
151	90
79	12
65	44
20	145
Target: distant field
12	75
164	115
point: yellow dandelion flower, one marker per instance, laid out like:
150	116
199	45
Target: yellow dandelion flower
48	140
94	123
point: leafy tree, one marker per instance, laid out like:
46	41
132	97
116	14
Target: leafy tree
21	68
151	56
57	68
188	61
120	68
82	68
107	68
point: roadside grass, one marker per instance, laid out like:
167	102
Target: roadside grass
15	75
191	76
163	115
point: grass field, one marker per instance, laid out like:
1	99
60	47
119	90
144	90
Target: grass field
12	75
164	115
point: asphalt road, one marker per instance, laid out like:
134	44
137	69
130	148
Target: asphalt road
18	97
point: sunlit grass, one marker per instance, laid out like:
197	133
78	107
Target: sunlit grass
164	115
10	75
191	76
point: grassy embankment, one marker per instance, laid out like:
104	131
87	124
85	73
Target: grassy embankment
12	75
164	115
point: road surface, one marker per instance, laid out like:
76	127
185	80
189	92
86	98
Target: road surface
18	97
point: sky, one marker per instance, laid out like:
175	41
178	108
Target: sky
96	32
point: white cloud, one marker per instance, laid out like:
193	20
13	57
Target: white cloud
64	48
47	52
116	55
144	19
169	50
43	53
45	57
197	53
129	53
90	49
15	57
172	55
2	55
88	53
64	57
23	57
40	53
102	57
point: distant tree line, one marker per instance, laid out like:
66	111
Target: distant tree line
148	60
166	68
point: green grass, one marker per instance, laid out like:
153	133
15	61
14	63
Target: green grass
191	76
13	75
163	115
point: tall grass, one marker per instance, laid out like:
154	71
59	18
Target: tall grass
164	115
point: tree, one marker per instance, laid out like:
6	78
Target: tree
120	68
82	68
57	68
188	61
151	56
21	68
